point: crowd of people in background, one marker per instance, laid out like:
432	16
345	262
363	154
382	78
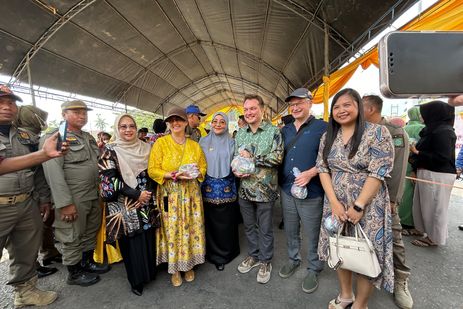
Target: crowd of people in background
173	198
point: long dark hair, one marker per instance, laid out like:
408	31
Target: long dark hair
333	126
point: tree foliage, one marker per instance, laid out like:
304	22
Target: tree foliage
100	123
54	124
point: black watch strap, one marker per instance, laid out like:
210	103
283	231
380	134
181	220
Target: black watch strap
358	208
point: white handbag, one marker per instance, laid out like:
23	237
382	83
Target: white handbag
353	253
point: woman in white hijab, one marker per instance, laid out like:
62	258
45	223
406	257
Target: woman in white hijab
219	194
131	215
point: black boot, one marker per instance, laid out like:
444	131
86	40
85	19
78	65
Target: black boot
43	271
90	266
57	259
77	276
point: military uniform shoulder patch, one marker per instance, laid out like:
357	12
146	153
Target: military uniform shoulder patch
25	138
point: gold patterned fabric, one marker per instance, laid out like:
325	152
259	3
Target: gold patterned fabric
181	240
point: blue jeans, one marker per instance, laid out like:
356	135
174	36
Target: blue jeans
258	227
307	212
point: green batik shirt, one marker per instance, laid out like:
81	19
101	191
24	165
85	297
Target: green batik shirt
266	146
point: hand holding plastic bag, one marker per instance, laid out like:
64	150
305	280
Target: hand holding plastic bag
243	165
191	170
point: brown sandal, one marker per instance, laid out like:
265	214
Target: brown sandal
423	242
176	279
415	232
190	276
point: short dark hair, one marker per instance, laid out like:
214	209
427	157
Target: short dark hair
159	126
143	130
374	100
254	97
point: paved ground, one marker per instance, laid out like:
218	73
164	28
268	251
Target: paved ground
435	282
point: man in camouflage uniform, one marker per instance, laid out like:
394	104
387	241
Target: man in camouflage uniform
372	106
20	215
73	183
33	120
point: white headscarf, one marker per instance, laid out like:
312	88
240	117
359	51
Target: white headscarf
218	150
131	155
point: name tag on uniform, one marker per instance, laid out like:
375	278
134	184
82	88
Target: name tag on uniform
399	141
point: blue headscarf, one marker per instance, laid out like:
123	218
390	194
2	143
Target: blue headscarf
219	150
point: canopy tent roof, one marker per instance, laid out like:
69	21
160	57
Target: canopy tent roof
152	54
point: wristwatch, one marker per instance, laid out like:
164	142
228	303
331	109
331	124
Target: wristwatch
358	208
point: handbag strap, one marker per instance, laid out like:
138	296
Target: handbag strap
358	231
358	227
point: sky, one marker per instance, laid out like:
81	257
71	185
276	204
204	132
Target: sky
364	81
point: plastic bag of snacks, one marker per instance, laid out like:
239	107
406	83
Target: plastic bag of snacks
191	169
297	191
243	165
331	224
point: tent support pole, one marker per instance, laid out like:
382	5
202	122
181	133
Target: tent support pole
29	77
61	21
326	89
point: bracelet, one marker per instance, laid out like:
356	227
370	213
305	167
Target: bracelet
174	176
357	208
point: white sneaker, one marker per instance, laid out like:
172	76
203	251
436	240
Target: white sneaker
247	264
265	271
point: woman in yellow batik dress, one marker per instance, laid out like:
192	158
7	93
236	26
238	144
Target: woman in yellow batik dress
181	239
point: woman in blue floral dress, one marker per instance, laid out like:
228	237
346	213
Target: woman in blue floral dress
354	158
219	194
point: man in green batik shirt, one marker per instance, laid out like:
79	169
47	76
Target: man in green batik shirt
257	193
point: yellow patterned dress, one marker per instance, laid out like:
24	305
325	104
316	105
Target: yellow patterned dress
181	239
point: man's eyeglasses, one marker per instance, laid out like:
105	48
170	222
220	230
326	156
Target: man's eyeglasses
297	104
125	127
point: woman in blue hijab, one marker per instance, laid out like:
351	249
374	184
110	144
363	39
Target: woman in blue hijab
219	194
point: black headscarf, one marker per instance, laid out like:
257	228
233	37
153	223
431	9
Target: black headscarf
437	113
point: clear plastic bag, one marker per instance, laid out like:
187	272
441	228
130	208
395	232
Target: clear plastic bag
331	225
243	165
297	191
191	169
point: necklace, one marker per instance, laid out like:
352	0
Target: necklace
178	142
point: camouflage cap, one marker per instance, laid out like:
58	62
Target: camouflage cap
32	118
76	104
5	91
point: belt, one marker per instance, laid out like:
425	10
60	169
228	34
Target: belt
14	199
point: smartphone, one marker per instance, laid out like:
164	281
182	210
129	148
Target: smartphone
62	134
421	64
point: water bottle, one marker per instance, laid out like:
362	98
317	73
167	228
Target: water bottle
297	191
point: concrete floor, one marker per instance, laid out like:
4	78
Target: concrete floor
435	282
